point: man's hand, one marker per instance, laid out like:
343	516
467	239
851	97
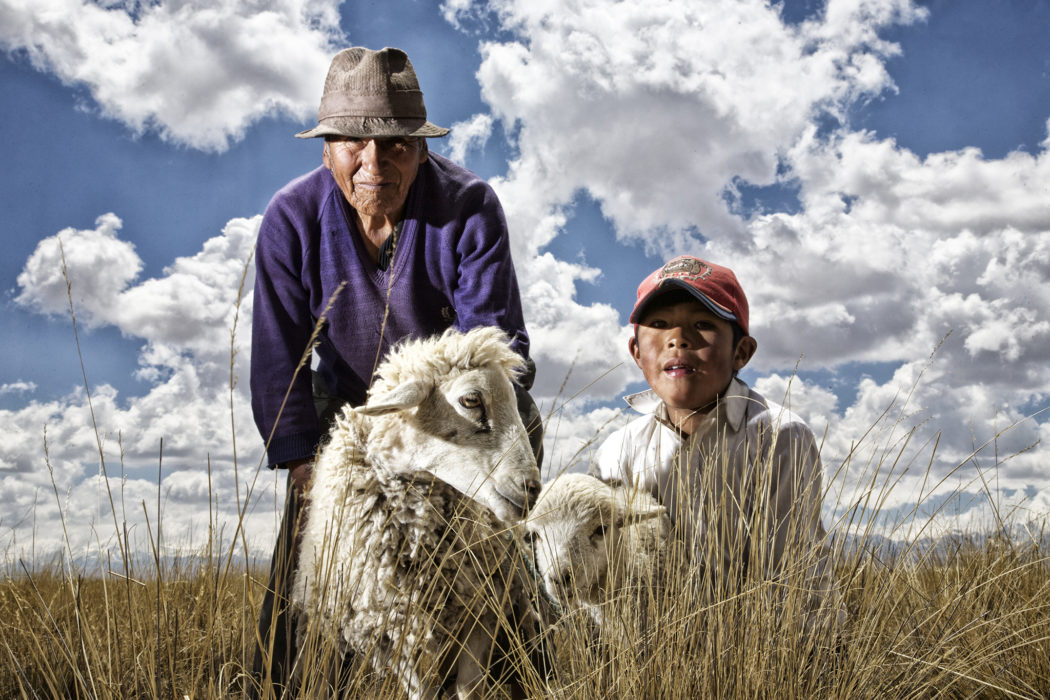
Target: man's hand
300	471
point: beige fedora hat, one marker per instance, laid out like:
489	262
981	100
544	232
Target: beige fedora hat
370	94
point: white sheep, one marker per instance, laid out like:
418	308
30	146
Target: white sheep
407	557
593	541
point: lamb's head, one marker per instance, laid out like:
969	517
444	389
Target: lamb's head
576	529
447	405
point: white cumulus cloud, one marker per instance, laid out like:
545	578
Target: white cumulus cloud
656	111
198	72
469	135
17	388
192	426
190	307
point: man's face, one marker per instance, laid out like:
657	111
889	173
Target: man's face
375	174
687	356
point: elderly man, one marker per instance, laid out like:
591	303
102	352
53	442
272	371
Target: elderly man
384	241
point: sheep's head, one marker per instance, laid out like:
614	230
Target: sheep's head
449	408
575	529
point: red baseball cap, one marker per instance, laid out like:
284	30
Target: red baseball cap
716	287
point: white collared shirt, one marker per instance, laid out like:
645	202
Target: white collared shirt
750	474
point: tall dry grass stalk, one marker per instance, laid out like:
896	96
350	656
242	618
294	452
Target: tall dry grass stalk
966	616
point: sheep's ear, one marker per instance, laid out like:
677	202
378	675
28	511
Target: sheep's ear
407	395
638	515
629	513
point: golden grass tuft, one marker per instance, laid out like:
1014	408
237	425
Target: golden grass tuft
966	616
182	633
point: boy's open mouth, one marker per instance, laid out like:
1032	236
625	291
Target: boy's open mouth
678	369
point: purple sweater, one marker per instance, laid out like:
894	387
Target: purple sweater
452	267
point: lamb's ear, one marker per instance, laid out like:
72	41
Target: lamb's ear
641	514
634	511
406	395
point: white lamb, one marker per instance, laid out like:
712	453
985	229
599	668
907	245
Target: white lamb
407	558
595	541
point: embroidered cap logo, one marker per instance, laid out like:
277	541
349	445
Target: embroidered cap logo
685	268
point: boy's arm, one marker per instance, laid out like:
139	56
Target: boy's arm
796	489
802	551
611	461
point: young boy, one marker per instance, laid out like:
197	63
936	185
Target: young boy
740	475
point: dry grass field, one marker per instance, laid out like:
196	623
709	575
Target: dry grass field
967	618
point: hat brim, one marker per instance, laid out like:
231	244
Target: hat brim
670	285
374	127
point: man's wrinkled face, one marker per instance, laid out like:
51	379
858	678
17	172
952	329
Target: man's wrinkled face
375	174
687	356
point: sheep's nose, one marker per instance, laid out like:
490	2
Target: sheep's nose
532	491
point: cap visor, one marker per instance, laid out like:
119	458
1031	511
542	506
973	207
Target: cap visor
670	285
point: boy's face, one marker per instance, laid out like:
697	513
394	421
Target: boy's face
687	356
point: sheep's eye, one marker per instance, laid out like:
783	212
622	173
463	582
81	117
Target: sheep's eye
471	400
598	531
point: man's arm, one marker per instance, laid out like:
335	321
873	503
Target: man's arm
487	291
281	327
300	471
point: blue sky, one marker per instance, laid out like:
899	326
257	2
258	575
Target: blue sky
875	171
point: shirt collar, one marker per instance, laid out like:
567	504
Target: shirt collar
733	404
735	400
